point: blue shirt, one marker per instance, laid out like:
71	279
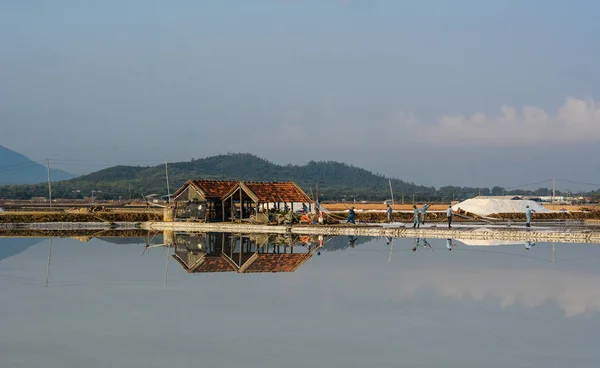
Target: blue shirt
449	212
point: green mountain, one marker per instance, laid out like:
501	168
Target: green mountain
16	168
335	180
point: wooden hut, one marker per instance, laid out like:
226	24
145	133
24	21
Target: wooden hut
201	199
246	198
222	200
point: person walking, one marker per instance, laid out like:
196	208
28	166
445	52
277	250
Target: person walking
449	216
424	212
528	212
388	211
416	222
351	216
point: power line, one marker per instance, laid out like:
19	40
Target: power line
528	185
578	182
18	167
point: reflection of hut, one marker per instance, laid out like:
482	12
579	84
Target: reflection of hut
246	198
223	252
201	199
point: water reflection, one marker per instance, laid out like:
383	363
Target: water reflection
224	252
420	243
354	307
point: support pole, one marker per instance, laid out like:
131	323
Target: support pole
49	185
168	187
553	192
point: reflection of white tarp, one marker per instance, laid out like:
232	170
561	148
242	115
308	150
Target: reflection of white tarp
487	243
484	206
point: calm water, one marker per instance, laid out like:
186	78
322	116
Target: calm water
362	306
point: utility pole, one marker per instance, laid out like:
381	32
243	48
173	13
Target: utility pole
168	188
391	191
553	192
49	185
402	197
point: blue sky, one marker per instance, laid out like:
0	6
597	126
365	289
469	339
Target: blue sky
435	92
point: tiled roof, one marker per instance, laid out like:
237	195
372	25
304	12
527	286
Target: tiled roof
214	188
214	264
278	262
277	192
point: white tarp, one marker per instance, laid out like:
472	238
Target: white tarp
488	205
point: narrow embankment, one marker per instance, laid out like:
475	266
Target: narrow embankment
36	217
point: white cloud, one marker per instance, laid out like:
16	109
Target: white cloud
575	121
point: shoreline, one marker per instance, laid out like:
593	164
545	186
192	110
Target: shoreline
472	231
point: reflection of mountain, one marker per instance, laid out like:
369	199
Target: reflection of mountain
136	240
224	252
11	246
343	242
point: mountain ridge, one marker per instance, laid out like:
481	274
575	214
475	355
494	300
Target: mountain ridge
16	168
334	179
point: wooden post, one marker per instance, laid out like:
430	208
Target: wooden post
241	206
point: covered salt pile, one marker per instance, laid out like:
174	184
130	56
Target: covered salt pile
485	206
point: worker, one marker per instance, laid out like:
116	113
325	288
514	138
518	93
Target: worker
528	213
388	211
351	216
449	216
416	222
424	212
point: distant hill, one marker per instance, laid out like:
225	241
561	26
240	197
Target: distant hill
16	168
335	180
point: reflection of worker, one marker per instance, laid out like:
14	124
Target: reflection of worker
528	213
418	242
528	245
416	222
424	212
388	240
351	240
351	216
449	216
388	211
449	244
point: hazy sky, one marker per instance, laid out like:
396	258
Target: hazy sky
435	92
